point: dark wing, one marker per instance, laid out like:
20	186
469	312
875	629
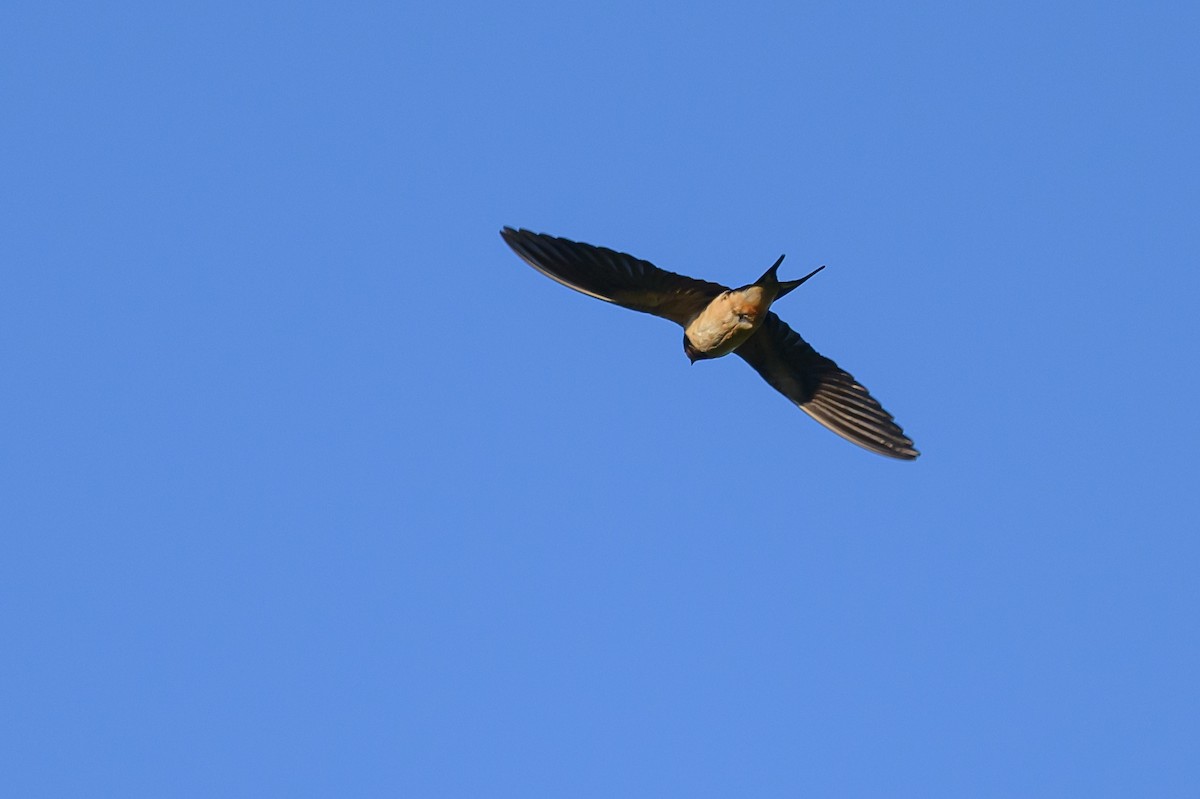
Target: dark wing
822	390
613	276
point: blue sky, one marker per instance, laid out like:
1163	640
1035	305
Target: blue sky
311	487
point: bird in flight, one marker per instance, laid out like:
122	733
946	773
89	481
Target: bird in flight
718	320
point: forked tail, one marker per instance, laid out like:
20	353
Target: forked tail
770	278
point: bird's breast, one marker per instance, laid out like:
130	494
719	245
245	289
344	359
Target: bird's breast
728	320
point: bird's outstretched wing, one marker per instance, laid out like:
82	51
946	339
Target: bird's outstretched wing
822	390
613	276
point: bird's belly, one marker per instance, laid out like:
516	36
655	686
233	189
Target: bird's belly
720	336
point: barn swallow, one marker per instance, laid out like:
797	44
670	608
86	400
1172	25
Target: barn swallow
718	320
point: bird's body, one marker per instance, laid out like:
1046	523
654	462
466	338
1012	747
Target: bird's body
727	321
718	321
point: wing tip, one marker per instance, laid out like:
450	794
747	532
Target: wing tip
899	450
876	432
